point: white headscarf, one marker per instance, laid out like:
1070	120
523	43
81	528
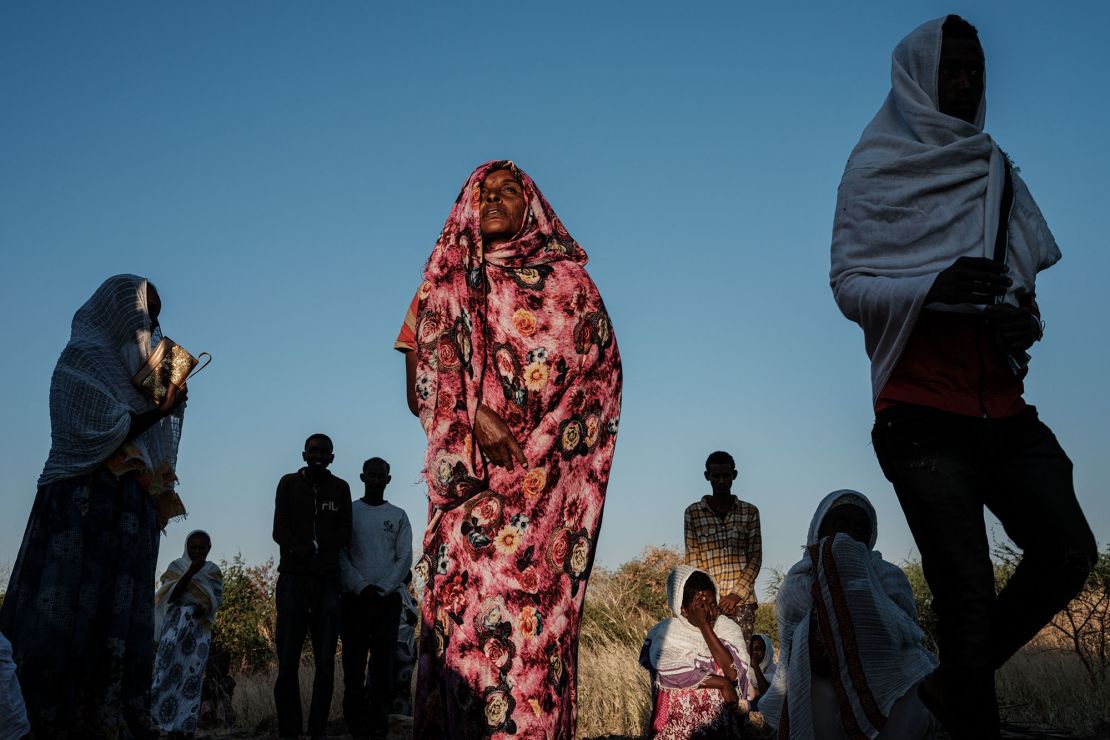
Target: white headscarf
675	651
864	596
767	665
206	587
91	396
921	189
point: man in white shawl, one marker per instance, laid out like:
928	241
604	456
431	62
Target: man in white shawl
191	591
936	246
850	648
698	660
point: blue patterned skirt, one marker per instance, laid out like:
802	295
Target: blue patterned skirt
79	609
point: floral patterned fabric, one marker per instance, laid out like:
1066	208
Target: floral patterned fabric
179	669
79	612
523	330
682	714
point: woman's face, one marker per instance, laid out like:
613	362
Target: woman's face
707	599
501	207
198	547
848	519
757	649
153	305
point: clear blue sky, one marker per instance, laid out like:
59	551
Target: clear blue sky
281	171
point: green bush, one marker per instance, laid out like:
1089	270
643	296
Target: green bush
246	622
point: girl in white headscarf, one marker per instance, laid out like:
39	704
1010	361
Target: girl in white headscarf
851	653
78	610
185	610
762	651
698	660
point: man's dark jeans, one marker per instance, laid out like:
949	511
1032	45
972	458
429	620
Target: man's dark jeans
306	604
370	622
945	469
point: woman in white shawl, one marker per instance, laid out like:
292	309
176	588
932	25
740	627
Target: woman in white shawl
698	660
78	610
850	648
185	610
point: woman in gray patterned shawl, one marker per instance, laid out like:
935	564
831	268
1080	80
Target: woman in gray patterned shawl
78	610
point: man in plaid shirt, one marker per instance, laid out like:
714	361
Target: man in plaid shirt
722	538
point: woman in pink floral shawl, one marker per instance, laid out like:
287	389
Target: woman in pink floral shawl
514	373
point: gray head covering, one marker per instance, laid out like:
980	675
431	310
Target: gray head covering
843	497
91	396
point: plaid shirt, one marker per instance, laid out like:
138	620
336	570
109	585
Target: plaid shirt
729	548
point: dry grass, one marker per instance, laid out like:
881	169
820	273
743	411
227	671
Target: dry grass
1046	686
254	699
614	695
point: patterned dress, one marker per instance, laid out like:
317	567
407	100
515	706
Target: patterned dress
184	630
78	609
179	670
681	714
506	556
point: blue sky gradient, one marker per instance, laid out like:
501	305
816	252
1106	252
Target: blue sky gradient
281	171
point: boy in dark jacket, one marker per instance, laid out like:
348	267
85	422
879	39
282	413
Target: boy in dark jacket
312	521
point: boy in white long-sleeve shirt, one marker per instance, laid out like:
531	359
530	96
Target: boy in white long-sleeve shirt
373	570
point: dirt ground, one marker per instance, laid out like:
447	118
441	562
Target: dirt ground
401	729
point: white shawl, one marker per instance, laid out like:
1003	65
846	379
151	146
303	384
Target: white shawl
206	588
767	665
91	396
862	595
676	653
920	190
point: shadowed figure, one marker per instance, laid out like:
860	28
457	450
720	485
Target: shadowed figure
312	523
185	605
851	653
78	609
723	538
373	569
937	243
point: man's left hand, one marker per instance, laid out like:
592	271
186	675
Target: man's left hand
728	604
1016	328
370	592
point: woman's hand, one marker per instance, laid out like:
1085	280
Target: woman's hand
175	396
702	612
495	440
728	693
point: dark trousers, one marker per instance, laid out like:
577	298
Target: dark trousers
945	469
306	604
370	622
